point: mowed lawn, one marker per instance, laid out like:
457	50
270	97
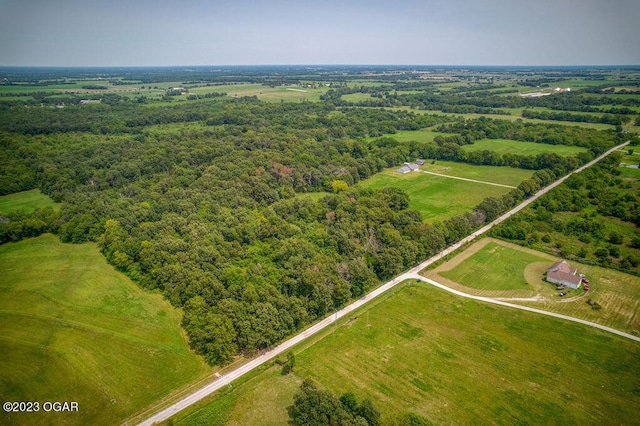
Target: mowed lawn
74	329
453	361
26	201
494	267
507	146
440	198
502	175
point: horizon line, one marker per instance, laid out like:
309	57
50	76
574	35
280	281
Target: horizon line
330	65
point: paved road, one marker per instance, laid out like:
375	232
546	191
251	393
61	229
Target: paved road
226	379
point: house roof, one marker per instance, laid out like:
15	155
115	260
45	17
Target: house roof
408	167
564	276
562	266
562	271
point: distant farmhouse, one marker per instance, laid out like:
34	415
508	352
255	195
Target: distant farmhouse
409	167
562	273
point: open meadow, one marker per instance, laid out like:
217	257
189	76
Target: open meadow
506	146
452	361
27	201
440	197
435	197
500	175
72	328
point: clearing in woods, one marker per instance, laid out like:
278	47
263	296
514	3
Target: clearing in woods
26	201
440	197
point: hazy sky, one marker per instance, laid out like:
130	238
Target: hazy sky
429	32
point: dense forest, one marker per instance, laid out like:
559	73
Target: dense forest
216	217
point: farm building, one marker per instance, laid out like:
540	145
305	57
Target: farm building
562	273
408	167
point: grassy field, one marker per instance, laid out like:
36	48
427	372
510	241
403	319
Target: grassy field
26	201
423	135
502	175
436	197
74	329
495	268
504	146
453	361
356	97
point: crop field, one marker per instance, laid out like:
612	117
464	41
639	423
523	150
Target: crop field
453	361
436	197
495	268
504	146
74	329
26	201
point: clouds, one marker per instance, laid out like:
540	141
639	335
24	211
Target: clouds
484	32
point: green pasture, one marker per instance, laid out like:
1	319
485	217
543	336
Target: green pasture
422	135
26	201
74	329
436	197
452	361
502	175
494	267
356	97
507	146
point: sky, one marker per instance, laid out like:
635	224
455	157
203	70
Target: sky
263	32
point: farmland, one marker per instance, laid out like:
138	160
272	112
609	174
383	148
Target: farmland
253	199
74	329
503	146
499	175
450	360
439	198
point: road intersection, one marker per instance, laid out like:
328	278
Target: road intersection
412	274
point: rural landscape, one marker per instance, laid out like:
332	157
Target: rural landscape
161	228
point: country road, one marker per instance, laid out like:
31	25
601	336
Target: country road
413	273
